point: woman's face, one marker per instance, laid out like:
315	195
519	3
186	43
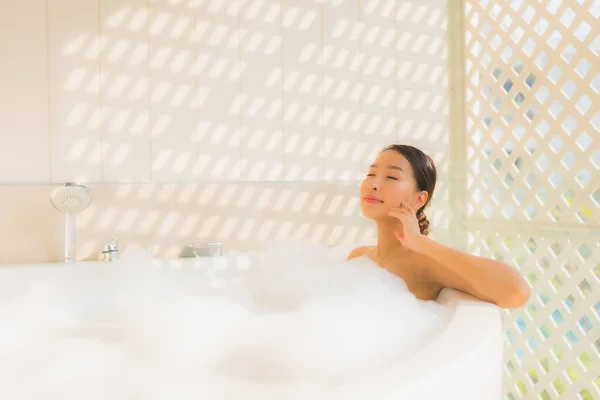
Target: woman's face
389	181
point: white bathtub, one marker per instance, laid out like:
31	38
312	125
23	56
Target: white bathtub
462	362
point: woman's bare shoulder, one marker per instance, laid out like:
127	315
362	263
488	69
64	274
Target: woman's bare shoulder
359	251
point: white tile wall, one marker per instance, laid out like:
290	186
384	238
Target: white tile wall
302	89
341	90
125	79
245	216
24	125
74	79
422	74
261	89
222	97
378	65
156	90
218	142
174	111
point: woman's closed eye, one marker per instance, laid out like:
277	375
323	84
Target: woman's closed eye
389	177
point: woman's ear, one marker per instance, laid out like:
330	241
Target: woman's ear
421	199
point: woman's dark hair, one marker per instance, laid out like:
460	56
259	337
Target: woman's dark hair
425	175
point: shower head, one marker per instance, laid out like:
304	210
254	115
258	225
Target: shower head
71	198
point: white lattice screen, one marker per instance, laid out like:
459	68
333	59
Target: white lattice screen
532	80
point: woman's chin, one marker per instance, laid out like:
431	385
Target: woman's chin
374	214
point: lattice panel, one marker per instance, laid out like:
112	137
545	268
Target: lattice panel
553	343
533	120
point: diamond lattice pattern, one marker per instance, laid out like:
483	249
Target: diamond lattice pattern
533	82
552	345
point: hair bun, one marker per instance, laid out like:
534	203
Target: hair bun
423	223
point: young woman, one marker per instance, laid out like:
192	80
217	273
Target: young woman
396	190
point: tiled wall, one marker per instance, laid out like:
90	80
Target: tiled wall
152	99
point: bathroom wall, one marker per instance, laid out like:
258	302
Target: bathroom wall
242	121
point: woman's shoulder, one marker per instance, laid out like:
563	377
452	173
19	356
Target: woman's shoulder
360	251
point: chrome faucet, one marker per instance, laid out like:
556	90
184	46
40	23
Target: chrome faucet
111	250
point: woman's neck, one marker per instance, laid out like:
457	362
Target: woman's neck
388	245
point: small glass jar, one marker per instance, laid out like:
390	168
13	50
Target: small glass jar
209	249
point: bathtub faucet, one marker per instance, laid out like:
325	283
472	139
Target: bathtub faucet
111	250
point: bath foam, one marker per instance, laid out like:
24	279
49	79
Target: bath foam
302	323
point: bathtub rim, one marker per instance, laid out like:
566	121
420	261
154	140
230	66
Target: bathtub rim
455	343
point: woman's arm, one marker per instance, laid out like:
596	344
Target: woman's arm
487	279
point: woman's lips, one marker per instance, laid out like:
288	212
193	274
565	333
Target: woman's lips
372	200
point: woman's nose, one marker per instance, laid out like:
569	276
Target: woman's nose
373	184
